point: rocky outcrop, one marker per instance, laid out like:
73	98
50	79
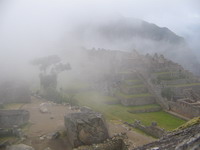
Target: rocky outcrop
186	138
11	118
85	127
20	147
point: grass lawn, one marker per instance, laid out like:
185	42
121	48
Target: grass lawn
13	105
132	86
163	73
118	112
136	81
133	95
185	85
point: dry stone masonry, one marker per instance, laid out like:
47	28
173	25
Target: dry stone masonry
187	138
11	118
136	79
85	127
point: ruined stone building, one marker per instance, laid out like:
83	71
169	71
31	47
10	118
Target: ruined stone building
137	79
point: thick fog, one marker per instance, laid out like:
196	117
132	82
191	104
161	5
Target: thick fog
36	28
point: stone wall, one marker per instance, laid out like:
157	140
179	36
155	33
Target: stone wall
14	92
175	82
152	130
126	76
10	118
186	109
133	90
85	127
147	110
114	143
136	101
179	91
183	139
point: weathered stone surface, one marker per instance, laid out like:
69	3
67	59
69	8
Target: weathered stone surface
10	118
152	130
43	108
85	127
20	147
117	142
147	110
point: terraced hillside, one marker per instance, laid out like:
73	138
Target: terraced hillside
136	79
132	91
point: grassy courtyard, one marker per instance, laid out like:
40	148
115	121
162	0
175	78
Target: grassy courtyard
118	112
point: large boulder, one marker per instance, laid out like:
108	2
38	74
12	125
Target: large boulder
43	108
20	147
85	127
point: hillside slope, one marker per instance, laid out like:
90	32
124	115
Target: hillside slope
129	34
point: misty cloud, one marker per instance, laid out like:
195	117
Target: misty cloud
34	28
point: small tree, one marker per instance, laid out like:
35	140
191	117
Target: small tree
50	67
167	93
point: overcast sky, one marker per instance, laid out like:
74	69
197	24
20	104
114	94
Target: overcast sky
30	28
34	25
18	16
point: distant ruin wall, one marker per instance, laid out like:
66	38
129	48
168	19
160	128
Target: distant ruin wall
185	109
175	82
146	110
9	118
180	90
126	76
137	101
133	90
14	92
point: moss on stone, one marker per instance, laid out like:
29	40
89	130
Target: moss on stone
188	124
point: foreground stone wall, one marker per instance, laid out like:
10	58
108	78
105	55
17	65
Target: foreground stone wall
9	118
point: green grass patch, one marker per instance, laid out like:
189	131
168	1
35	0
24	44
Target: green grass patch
133	95
136	81
164	73
190	123
185	85
143	107
8	138
167	78
118	112
132	85
13	105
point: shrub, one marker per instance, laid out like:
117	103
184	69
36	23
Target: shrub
167	93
